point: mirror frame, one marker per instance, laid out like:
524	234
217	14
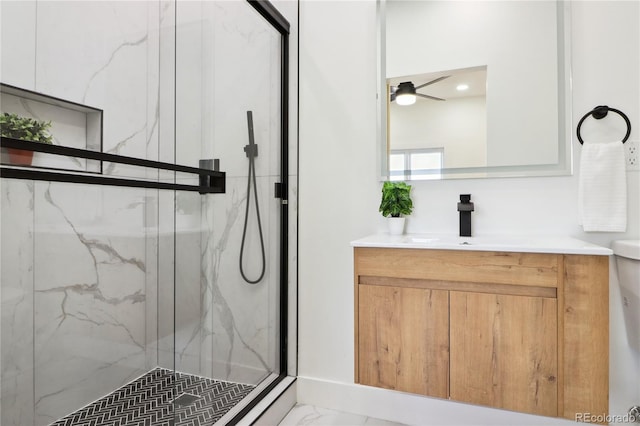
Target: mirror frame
564	166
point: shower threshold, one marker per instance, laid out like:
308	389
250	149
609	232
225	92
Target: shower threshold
162	397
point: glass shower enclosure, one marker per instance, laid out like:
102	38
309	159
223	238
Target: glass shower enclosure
143	262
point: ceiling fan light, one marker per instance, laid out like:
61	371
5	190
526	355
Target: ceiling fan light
406	93
406	99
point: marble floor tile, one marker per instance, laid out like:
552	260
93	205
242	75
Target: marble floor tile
303	415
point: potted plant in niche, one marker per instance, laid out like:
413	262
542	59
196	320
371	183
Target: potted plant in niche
27	129
396	201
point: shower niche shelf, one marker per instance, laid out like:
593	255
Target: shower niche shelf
72	125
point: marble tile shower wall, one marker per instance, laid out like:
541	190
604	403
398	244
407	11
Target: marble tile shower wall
75	300
227	68
79	263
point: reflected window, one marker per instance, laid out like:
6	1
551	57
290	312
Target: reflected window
416	164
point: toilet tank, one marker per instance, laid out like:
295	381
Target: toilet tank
627	254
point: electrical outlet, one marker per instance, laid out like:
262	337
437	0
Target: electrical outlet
632	155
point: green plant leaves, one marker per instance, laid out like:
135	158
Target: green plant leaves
25	128
396	199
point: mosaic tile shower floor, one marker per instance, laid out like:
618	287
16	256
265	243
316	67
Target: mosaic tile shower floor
147	401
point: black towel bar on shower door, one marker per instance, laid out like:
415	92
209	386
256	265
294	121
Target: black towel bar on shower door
213	184
601	112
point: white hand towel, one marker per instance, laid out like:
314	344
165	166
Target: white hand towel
602	187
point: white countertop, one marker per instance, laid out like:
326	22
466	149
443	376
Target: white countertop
509	243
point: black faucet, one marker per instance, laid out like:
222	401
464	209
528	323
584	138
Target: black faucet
465	207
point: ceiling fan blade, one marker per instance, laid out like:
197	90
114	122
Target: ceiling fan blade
392	93
433	81
430	97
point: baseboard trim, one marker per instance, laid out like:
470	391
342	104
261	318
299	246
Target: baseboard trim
407	408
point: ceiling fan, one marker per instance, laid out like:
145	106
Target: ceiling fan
405	93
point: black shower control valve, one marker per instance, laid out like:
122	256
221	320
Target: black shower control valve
251	150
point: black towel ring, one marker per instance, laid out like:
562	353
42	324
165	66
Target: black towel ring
601	112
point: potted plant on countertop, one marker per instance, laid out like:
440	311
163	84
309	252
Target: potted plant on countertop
27	129
396	202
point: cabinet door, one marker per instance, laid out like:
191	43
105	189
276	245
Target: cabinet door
504	351
403	340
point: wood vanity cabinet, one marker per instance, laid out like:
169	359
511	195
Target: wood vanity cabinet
404	337
519	331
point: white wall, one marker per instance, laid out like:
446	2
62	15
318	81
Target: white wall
458	125
339	197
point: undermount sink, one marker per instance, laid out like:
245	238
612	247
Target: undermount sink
445	241
514	243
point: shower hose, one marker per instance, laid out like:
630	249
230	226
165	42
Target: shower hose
252	152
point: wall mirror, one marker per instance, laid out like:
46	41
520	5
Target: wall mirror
473	89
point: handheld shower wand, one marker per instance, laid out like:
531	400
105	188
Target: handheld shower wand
252	152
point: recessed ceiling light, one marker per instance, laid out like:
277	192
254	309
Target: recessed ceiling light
461	87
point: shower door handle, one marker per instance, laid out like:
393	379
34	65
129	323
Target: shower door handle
281	192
